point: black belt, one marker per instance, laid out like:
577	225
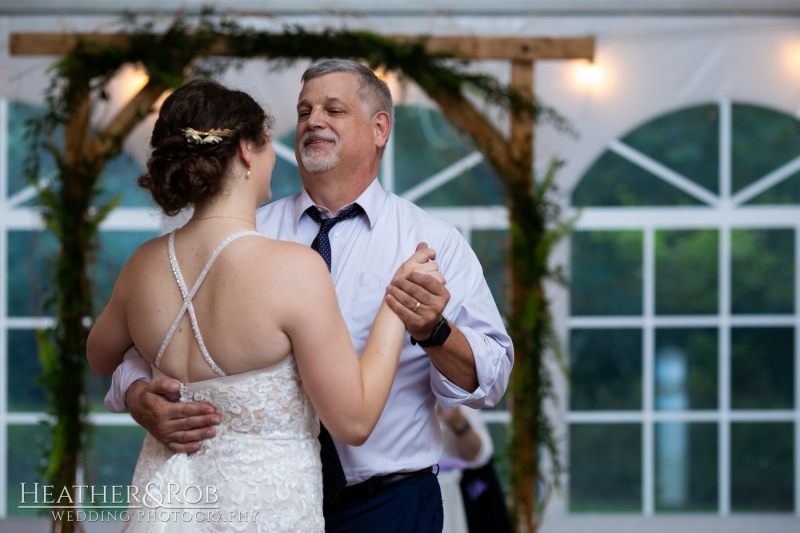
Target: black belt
372	486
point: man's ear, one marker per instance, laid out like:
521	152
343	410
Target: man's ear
382	125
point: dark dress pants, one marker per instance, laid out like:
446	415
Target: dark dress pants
413	505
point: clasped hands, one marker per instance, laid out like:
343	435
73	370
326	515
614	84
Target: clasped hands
417	293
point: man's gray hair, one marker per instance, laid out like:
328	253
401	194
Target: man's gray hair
372	91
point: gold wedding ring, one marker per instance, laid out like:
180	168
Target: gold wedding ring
416	308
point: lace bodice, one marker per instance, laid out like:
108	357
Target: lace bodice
263	464
268	402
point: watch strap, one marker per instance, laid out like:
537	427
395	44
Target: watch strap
437	338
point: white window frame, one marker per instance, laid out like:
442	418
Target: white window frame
723	212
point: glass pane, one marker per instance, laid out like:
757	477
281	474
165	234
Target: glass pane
25	463
285	176
25	394
686	369
424	144
499	434
762	277
19	146
24	391
687	141
687	272
606	277
96	388
762	368
763	140
28	271
119	178
116	247
491	247
113	454
605	369
605	468
614	181
762	466
686	466
786	192
478	186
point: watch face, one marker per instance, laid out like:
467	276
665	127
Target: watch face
441	332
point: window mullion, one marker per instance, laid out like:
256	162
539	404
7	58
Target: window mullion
797	372
3	307
725	140
724	369
387	165
648	340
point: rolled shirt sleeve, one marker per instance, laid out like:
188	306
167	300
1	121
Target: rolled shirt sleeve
133	368
473	310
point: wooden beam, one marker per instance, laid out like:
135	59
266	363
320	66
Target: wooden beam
508	48
54	44
128	117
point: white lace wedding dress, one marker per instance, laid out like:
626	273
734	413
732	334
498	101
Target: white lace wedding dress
260	473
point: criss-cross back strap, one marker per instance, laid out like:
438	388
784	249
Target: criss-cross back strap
188	296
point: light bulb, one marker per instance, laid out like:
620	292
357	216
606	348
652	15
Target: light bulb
591	74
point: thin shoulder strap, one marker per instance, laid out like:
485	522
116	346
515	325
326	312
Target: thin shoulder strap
188	296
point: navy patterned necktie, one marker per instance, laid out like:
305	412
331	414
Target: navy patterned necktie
333	479
322	243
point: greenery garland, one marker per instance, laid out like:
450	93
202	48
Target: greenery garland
182	51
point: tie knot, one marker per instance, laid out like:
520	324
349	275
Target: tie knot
325	224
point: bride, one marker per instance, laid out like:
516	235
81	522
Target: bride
248	324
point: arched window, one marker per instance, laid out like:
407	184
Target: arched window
684	316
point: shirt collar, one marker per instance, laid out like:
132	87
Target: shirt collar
371	200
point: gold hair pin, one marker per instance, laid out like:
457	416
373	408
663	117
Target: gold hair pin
204	137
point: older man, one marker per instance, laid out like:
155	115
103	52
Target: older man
457	352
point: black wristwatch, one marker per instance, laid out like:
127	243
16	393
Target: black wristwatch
437	338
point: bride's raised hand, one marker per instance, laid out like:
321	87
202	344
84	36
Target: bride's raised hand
422	261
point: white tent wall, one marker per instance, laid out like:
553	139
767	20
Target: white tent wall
647	65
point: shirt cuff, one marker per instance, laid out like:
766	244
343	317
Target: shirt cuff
133	368
487	354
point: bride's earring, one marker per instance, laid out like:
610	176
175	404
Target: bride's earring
248	170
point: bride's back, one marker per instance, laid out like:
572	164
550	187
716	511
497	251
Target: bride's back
238	306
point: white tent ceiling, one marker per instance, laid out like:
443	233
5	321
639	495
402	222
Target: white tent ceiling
407	7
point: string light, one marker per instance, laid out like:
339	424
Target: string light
591	74
132	81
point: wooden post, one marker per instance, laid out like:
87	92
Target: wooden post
522	124
521	201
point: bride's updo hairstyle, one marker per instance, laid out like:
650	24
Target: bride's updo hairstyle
189	170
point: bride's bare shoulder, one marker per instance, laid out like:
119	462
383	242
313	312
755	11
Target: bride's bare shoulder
281	254
288	260
145	255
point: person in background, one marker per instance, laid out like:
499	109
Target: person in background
473	498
